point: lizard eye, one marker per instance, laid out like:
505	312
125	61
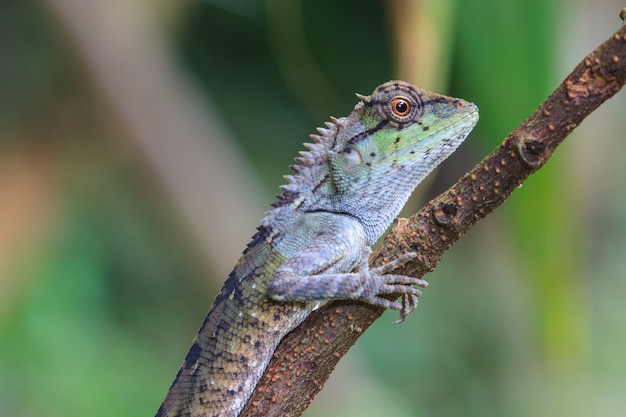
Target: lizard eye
400	106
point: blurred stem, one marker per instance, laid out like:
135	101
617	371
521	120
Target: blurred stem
297	64
175	130
423	32
29	199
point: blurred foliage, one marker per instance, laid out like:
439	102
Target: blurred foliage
102	285
243	73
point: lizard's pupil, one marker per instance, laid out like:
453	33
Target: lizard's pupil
400	106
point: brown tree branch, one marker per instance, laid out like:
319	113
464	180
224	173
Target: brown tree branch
307	356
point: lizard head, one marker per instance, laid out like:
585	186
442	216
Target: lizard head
367	164
385	148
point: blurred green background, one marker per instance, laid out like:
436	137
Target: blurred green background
141	143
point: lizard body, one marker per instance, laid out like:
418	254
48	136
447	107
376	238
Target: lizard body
315	241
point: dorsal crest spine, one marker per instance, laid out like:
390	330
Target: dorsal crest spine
310	164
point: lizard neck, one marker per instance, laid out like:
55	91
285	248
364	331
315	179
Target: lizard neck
382	210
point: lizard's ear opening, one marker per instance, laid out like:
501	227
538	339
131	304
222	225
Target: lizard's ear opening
352	157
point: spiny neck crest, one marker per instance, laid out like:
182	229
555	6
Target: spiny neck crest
312	165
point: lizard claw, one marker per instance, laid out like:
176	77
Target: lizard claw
398	284
409	303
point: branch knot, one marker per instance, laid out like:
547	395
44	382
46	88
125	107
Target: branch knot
532	151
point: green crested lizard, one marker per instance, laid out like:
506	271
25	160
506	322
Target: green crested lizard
315	242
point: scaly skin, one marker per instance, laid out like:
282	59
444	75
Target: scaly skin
314	243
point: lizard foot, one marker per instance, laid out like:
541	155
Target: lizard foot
397	284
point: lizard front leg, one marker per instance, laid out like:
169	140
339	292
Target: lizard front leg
329	269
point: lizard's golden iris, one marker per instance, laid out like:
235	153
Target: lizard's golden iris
400	106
